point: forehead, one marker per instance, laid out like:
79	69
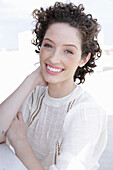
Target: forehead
63	32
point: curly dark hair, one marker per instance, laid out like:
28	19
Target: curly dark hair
75	17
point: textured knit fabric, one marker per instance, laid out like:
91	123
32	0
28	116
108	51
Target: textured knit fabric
66	133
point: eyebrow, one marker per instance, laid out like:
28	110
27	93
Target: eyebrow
63	45
49	40
71	45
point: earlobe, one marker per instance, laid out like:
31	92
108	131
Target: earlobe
85	60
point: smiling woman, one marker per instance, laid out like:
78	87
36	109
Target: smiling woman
50	121
87	29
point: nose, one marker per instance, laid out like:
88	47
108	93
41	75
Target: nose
55	57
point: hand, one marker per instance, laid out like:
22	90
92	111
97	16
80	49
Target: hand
38	77
18	139
17	130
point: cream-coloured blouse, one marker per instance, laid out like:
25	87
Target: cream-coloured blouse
66	133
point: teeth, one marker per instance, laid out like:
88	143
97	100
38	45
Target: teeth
53	69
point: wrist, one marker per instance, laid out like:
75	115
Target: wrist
20	144
36	78
33	79
25	153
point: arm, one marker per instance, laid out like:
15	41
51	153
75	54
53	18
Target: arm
10	107
25	153
18	139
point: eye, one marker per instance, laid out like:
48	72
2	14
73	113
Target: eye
47	45
69	52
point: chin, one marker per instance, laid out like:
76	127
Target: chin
51	80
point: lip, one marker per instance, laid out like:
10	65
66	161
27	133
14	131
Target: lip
55	67
51	72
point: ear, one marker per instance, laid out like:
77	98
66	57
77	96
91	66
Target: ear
85	60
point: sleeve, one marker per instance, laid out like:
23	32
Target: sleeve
84	138
30	103
26	107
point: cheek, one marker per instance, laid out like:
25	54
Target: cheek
42	56
70	62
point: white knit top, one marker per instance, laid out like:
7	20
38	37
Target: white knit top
66	133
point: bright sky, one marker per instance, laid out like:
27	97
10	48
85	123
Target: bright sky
15	17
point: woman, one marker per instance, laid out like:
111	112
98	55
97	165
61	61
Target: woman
64	127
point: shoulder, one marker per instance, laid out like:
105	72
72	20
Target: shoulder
31	101
32	98
38	91
86	111
87	105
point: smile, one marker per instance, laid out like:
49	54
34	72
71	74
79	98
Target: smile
53	70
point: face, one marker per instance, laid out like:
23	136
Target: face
60	53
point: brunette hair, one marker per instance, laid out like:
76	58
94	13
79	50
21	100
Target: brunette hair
75	17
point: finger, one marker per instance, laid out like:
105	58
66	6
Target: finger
19	115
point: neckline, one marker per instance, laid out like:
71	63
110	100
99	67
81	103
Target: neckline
57	102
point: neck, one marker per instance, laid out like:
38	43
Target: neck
58	91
